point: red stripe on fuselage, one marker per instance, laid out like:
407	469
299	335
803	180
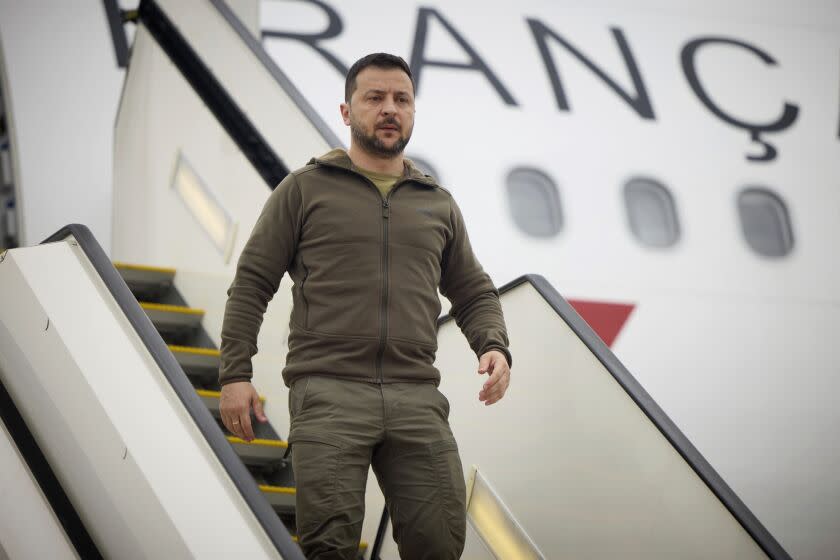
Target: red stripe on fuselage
606	319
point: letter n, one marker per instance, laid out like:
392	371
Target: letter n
639	101
419	60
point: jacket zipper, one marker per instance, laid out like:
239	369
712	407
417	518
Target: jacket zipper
383	305
383	310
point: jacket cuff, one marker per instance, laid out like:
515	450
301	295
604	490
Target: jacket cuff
234	379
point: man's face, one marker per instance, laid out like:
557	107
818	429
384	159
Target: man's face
381	111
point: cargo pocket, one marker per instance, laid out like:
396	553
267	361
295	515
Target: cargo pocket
315	462
451	488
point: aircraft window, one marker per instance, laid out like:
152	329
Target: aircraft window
426	167
534	202
765	222
651	212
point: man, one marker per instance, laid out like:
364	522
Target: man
367	239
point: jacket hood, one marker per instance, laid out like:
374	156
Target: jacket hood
339	157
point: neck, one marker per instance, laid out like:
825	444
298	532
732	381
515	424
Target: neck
388	166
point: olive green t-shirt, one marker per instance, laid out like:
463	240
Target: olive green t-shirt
382	181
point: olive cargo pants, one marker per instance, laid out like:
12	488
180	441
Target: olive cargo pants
339	428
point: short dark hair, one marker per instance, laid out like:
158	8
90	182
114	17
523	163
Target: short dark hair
380	60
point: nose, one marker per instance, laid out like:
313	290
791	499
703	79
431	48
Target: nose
388	106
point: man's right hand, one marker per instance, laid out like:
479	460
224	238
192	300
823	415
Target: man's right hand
235	408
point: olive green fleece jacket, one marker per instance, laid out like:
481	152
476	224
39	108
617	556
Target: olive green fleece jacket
366	270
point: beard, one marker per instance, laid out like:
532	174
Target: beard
371	144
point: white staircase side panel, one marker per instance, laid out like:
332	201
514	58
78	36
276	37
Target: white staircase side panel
280	119
578	463
756	393
161	116
161	119
29	528
132	461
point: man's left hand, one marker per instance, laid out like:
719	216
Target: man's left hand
494	363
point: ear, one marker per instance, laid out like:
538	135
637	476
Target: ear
345	112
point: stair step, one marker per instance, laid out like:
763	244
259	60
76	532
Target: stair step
259	451
145	271
198	357
199	363
143	279
281	498
173	318
211	399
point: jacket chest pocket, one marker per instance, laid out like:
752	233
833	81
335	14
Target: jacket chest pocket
419	224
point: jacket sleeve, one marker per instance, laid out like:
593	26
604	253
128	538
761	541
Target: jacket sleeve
264	259
475	300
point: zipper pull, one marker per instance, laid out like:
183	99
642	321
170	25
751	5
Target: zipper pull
385	209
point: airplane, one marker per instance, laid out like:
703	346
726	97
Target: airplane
668	169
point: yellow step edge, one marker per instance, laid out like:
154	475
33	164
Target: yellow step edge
277	489
143	267
172	308
266	442
216	394
362	545
194	350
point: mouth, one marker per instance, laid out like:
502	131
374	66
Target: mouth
389	127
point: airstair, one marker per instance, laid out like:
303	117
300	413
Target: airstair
109	411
